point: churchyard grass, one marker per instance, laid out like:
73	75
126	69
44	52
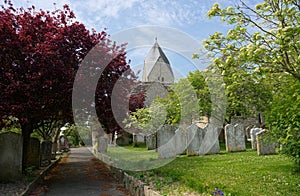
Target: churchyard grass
135	158
238	173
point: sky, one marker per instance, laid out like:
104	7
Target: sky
179	25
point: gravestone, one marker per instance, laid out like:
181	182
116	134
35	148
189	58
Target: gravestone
253	133
180	141
166	142
124	140
235	138
63	144
102	144
34	153
54	149
151	141
210	141
194	137
46	152
10	156
264	145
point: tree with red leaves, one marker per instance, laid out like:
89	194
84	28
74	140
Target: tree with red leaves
40	53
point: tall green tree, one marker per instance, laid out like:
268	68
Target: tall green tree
262	47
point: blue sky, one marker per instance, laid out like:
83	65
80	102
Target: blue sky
181	17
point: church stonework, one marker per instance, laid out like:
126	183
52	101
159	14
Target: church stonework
157	67
157	75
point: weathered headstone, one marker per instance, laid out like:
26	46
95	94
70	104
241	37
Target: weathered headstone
235	138
151	141
124	140
195	136
46	152
253	133
138	138
166	142
264	145
180	141
54	149
102	144
63	143
210	141
10	156
34	153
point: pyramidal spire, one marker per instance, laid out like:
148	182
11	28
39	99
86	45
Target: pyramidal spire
157	66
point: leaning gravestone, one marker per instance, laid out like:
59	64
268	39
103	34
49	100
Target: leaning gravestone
34	153
235	138
10	156
102	144
46	152
210	144
180	141
264	146
166	142
151	141
253	133
195	136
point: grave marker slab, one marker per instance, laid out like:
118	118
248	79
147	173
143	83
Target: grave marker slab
46	152
34	153
151	141
10	156
210	143
194	139
166	142
253	133
180	141
264	146
235	138
102	144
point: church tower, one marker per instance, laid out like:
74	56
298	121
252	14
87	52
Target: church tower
157	67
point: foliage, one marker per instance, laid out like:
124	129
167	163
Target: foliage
228	172
265	37
284	117
261	46
11	125
179	107
147	119
197	80
73	136
41	52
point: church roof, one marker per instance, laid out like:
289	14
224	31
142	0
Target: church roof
155	54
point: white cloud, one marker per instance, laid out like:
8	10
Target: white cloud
104	8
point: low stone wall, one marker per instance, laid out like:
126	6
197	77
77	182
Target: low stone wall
136	187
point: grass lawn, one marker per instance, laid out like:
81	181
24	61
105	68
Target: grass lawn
240	173
135	158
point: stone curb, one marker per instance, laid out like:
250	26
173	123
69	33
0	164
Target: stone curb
39	178
136	187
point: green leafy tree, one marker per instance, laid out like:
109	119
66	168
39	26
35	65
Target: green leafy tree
261	47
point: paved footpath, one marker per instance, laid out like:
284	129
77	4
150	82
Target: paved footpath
80	173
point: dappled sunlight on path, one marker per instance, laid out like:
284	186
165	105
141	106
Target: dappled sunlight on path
80	173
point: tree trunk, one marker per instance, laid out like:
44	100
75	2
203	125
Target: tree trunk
26	131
